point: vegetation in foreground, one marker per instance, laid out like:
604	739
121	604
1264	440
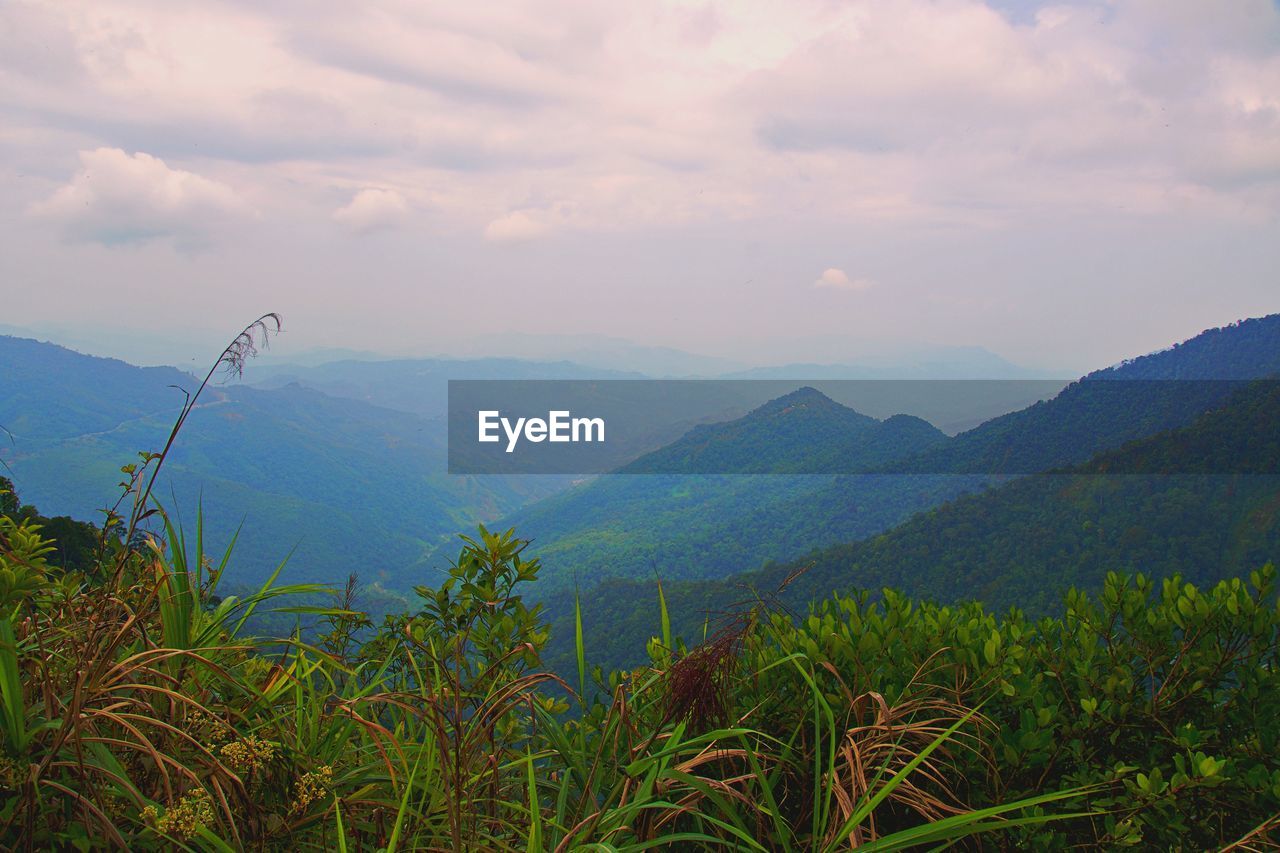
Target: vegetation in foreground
136	714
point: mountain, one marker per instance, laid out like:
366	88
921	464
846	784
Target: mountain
715	524
1101	411
1243	350
184	347
698	523
50	392
355	487
602	351
1121	403
361	485
1202	500
316	356
416	385
800	432
935	363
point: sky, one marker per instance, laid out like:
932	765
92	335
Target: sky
1064	185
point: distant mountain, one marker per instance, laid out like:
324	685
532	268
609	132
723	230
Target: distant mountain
163	346
50	392
355	487
969	368
315	357
602	351
416	385
1202	500
345	458
1242	350
844	358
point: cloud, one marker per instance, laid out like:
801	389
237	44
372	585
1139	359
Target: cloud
920	110
926	137
517	226
372	210
963	110
838	279
120	198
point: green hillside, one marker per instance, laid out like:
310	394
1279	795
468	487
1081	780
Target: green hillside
297	467
697	524
138	711
1207	507
1109	407
800	432
702	524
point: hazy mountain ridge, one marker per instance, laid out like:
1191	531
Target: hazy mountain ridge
299	455
419	386
301	467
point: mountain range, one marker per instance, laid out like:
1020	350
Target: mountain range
343	485
1208	508
696	520
342	464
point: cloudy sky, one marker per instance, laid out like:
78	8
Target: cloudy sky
1065	185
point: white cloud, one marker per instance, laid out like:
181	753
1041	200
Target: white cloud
372	210
838	279
116	197
517	226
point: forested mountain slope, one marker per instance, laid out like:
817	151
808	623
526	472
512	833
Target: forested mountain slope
1207	506
801	432
355	487
1109	407
699	524
683	527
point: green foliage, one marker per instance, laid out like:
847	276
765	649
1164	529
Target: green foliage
9	504
1162	698
75	544
23	564
136	714
461	617
135	711
1145	717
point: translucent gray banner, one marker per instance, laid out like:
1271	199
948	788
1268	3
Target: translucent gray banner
849	426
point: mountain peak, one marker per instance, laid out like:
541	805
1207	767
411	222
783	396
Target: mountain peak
803	397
